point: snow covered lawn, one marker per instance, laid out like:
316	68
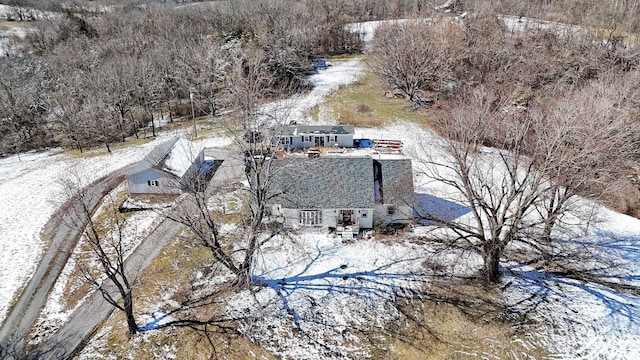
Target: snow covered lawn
316	287
321	292
30	193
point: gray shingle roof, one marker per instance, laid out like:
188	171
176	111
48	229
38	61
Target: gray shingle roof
325	183
317	129
397	180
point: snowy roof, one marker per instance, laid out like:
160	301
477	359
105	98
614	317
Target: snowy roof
174	157
295	130
182	155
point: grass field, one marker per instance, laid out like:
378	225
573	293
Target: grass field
364	104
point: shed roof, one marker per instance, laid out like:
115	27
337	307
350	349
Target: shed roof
296	130
325	183
174	157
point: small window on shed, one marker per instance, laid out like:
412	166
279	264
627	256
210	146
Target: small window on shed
153	183
391	210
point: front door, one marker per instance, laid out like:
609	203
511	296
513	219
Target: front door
319	140
346	216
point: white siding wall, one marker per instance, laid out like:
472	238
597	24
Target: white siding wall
366	218
139	183
402	213
329	217
343	140
291	217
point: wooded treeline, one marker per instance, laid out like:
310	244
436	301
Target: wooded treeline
524	74
562	101
83	79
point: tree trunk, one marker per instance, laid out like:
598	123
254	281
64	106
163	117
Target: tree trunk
153	125
128	310
491	267
548	227
243	277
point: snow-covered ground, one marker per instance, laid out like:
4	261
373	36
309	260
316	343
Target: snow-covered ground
320	291
352	281
7	34
521	24
577	319
585	320
17	13
30	193
325	82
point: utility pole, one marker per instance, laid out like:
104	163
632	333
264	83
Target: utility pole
193	116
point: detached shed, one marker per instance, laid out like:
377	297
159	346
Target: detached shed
169	168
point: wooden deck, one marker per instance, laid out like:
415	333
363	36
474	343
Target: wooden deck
388	146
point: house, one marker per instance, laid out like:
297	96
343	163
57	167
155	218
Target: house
306	136
169	168
346	193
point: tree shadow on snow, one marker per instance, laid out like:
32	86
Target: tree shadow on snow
597	277
340	299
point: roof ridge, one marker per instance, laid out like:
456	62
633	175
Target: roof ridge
171	143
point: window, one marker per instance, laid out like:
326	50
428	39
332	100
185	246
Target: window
310	217
285	140
153	183
333	138
306	138
363	214
391	210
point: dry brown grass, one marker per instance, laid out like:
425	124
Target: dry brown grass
459	319
364	104
154	198
173	273
463	323
186	344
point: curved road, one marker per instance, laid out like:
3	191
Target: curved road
85	321
71	338
23	314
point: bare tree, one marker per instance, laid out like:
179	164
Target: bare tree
106	245
236	251
585	142
500	189
520	189
22	124
414	55
249	81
